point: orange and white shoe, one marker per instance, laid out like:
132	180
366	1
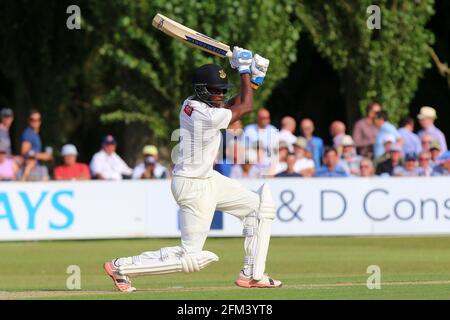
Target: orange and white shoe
248	282
123	283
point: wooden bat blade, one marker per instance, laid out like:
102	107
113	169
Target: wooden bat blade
191	37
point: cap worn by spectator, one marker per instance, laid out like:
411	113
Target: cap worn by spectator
150	150
435	145
109	139
411	156
301	143
283	145
69	150
396	148
389	138
427	113
6	112
347	141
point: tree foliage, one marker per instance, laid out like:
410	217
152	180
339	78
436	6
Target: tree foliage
384	64
149	73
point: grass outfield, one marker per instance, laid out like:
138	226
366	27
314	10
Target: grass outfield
310	268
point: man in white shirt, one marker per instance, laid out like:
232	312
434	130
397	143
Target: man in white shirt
288	125
107	164
262	132
199	190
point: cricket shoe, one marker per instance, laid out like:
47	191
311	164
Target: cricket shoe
248	282
123	283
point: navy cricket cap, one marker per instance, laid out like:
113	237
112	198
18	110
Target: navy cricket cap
411	156
109	139
6	112
211	75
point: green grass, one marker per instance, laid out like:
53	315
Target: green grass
310	268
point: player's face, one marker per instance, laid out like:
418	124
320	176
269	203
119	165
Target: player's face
217	97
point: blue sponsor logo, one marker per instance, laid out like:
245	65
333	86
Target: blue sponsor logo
58	200
206	46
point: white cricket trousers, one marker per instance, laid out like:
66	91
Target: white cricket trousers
198	198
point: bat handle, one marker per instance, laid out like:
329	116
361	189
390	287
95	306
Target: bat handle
254	86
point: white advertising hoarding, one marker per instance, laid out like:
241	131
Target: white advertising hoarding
319	206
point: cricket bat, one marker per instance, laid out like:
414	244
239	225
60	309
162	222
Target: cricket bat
191	37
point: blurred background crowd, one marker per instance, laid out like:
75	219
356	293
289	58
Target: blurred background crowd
259	150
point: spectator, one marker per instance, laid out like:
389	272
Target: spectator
263	133
426	140
435	151
443	165
287	131
248	168
303	165
71	169
386	168
8	168
107	164
314	144
365	131
349	159
426	117
385	128
331	168
410	168
7	118
31	169
411	141
150	164
281	164
366	168
425	163
158	170
289	172
31	139
337	132
388	141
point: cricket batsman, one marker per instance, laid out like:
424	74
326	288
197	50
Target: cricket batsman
199	190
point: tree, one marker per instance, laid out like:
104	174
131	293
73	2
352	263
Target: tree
380	64
149	73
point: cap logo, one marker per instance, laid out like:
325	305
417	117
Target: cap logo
222	74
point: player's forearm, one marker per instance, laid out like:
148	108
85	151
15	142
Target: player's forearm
243	104
246	94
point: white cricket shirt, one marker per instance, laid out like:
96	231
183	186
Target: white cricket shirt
200	138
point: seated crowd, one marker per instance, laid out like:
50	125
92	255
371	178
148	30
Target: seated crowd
375	148
259	150
30	165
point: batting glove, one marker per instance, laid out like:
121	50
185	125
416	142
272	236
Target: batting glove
241	60
259	68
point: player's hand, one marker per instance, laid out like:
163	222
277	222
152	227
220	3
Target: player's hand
241	60
259	69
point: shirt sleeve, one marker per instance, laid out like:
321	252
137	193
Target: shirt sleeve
220	117
26	136
95	165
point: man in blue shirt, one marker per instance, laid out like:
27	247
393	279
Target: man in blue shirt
443	166
31	139
331	168
314	144
381	121
411	141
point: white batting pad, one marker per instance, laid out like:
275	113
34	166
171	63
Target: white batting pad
167	260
